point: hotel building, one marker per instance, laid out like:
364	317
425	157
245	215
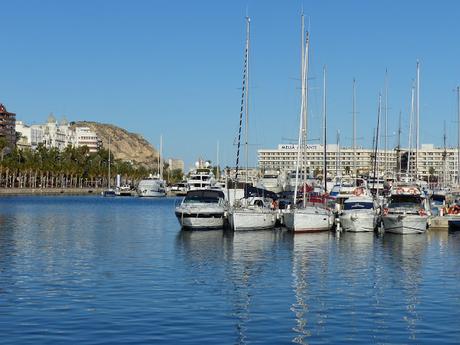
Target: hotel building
341	160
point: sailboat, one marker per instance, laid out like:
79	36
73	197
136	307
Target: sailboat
407	211
311	214
109	191
253	212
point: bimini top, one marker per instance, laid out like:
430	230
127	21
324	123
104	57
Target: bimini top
204	195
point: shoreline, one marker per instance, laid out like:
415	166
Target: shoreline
58	191
50	191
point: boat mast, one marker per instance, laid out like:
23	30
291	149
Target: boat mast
160	158
411	118
458	135
243	99
337	159
355	171
398	167
386	123
417	119
444	158
324	131
376	152
303	114
246	128
218	164
108	177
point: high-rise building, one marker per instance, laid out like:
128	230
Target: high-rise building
8	126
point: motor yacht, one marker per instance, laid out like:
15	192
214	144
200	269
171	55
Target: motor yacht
202	209
406	212
153	186
359	212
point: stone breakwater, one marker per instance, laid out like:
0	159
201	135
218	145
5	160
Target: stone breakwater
49	191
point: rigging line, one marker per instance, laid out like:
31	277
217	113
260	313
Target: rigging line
243	94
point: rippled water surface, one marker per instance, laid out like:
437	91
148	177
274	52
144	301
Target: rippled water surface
99	270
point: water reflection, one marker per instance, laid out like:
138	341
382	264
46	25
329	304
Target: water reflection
201	247
250	260
309	274
406	255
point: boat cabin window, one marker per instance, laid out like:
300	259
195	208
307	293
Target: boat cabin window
271	176
404	201
198	199
438	198
203	196
258	203
358	205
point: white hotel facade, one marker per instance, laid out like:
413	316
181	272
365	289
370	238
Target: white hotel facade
54	134
340	160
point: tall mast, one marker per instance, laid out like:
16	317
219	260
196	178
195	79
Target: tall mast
243	105
386	123
355	171
411	119
377	140
303	112
324	130
160	158
338	156
108	177
458	135
417	140
246	128
444	158
398	165
218	164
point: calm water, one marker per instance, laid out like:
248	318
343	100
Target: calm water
97	270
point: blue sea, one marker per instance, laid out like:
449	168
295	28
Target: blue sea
93	270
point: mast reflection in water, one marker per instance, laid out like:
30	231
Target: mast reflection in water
98	270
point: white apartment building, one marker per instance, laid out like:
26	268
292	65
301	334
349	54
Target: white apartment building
341	160
176	164
58	135
84	136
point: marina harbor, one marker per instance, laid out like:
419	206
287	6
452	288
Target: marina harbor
230	172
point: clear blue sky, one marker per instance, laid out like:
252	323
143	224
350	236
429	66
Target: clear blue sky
174	67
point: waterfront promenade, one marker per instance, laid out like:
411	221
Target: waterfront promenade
49	191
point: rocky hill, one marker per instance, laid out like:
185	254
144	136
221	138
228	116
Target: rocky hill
123	144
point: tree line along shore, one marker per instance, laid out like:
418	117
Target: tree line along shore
71	168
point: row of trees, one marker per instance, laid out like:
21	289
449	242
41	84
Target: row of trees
70	168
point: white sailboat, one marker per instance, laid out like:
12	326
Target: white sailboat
253	213
311	214
109	191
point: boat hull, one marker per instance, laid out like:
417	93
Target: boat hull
200	219
454	224
358	221
405	223
310	219
151	194
247	219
